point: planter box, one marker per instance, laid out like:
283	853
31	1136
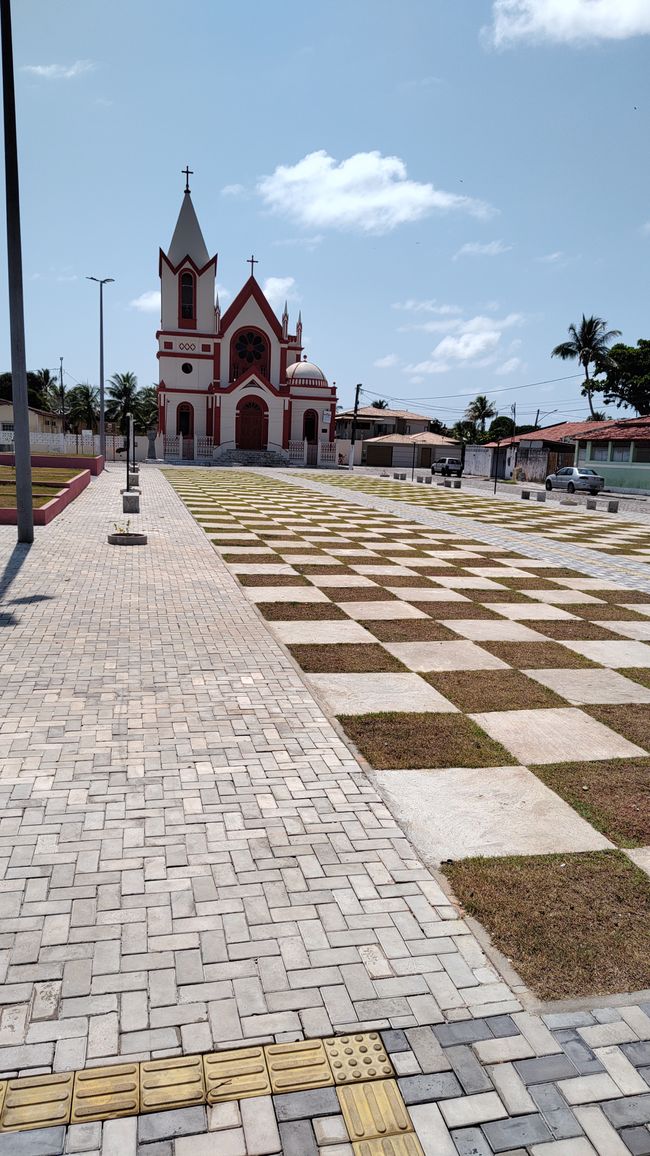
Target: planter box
127	539
60	461
43	515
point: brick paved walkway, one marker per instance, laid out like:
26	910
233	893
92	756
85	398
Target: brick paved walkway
192	859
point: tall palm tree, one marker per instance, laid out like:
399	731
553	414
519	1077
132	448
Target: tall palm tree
589	345
380	404
122	393
480	410
146	413
83	407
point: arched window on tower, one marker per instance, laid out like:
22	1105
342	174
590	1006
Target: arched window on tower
187	303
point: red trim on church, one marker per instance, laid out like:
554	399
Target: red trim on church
186	261
251	289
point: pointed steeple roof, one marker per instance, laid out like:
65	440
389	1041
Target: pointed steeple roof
188	238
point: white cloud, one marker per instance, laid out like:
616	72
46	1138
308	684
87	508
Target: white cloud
386	362
60	71
223	294
476	249
278	289
233	190
367	192
509	366
646	229
567	21
552	258
431	306
308	243
474	342
148	302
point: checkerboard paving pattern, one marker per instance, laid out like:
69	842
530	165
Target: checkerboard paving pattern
483	640
191	861
598	531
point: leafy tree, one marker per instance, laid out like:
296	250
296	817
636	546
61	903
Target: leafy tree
380	404
83	407
122	394
589	345
439	427
627	379
35	389
465	432
501	427
479	410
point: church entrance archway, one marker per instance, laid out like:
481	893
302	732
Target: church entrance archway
310	435
185	426
252	424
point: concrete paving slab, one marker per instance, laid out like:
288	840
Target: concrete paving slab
640	631
458	812
629	653
284	594
467	582
321	632
493	630
444	656
343	581
591	686
562	597
368	693
530	612
555	735
427	594
381	611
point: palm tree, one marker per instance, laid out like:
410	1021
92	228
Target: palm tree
589	345
380	404
83	407
146	412
479	410
122	392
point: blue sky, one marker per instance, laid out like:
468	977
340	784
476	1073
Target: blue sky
441	186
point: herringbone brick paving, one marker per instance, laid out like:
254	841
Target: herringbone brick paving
191	858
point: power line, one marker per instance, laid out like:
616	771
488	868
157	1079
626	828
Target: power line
472	393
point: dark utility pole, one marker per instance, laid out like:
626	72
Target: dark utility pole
62	392
24	512
101	281
354	425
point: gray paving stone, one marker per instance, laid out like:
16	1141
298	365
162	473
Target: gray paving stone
522	1131
637	1140
304	1105
298	1139
501	1026
38	1142
471	1074
554	1109
160	1148
628	1110
169	1125
466	1032
471	1142
395	1041
544	1069
580	1054
431	1086
637	1054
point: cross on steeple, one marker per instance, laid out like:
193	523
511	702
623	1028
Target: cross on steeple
252	261
187	173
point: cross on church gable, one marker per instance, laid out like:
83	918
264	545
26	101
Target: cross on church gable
187	173
252	261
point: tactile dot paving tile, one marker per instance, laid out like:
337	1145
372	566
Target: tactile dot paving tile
358	1057
37	1102
408	1145
106	1093
236	1074
293	1067
374	1110
176	1083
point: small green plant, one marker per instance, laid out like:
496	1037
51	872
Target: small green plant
122	529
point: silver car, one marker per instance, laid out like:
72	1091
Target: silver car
573	478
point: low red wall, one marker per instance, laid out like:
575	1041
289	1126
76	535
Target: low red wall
45	514
60	462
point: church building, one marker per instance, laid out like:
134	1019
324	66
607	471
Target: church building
233	381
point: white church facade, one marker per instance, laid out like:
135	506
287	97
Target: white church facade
233	383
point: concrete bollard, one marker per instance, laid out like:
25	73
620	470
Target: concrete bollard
612	507
130	502
457	484
541	495
525	495
447	483
134	478
428	480
592	504
419	479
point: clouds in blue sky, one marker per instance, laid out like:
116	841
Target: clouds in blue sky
569	20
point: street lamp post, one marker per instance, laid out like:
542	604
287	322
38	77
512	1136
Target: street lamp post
102	420
24	510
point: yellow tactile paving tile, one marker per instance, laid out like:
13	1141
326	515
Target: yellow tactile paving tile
37	1102
236	1074
105	1093
408	1145
294	1067
3	1089
176	1083
374	1110
358	1057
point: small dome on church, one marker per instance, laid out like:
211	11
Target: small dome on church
306	372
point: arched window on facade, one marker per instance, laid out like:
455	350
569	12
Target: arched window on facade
249	349
188	298
185	419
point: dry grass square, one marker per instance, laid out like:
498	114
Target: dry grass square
360	594
636	673
322	568
345	658
271	580
451	610
536	655
632	720
410	630
300	611
401	580
503	690
603	612
252	559
613	795
394	740
572	925
574	631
